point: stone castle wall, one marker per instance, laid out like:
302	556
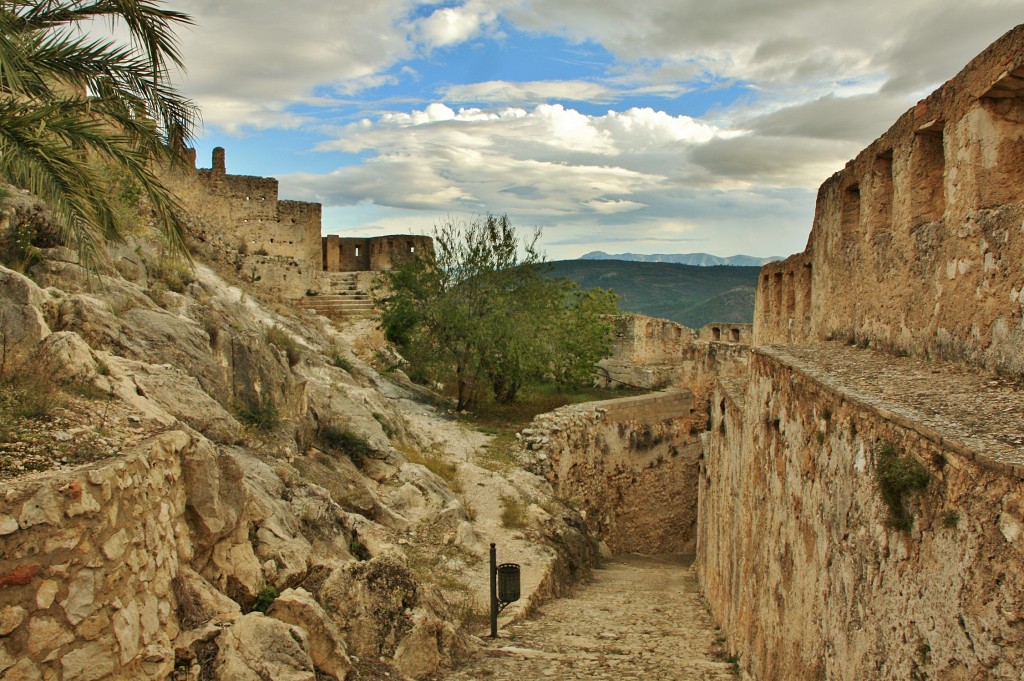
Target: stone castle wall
802	571
630	464
916	245
372	254
276	244
86	568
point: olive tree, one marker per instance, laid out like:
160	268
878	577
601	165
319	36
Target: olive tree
484	317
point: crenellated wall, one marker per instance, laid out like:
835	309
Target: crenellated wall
916	245
800	566
276	244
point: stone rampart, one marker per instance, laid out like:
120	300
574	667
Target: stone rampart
916	245
372	254
87	559
799	562
630	464
726	332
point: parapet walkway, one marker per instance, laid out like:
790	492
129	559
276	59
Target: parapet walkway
640	619
981	415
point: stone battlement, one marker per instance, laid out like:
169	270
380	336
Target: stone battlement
917	243
278	242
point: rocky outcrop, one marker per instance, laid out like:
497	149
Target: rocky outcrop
226	494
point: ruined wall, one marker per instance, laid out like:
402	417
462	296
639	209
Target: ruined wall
656	353
799	565
376	254
630	464
916	245
726	332
87	560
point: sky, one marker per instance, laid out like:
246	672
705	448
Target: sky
648	126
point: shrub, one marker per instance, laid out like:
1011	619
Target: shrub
898	476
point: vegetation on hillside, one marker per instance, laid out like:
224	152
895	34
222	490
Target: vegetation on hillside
483	319
691	295
84	119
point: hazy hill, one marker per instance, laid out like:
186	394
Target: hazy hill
701	259
689	294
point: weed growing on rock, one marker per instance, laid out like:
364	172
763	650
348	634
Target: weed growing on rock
951	519
446	470
358	549
513	513
262	414
898	476
284	342
342	441
342	362
265	597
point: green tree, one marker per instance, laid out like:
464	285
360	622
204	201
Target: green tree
484	317
79	114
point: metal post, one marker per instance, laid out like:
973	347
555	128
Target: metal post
494	591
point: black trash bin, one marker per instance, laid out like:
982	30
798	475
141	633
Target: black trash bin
508	582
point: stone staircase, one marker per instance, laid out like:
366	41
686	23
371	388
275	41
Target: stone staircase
341	298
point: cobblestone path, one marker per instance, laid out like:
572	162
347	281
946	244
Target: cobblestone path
640	619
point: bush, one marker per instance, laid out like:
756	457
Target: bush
898	476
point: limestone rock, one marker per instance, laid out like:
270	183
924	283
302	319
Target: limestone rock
216	497
46	594
371	602
65	354
80	601
41	509
23	671
90	662
127	629
326	645
21	321
11	618
257	647
430	645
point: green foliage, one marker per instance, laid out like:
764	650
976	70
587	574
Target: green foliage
691	295
79	114
513	513
284	342
342	362
343	441
261	414
951	519
485	320
265	597
898	476
358	549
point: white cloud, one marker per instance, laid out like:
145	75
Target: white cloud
450	25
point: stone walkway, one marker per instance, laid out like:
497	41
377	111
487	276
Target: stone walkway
947	402
640	619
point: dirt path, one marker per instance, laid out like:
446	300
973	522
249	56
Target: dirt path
640	619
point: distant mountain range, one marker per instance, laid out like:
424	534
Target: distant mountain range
688	294
698	259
